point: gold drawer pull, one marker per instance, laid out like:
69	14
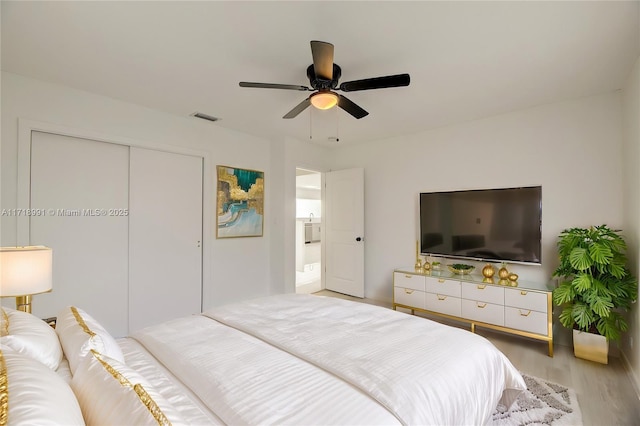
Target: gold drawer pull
481	286
441	297
481	305
524	315
524	293
440	280
406	290
408	276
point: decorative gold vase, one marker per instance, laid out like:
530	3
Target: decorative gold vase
513	277
503	273
488	271
418	265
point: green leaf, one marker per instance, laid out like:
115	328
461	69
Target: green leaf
600	253
612	327
563	294
601	306
582	282
579	259
582	315
566	317
617	266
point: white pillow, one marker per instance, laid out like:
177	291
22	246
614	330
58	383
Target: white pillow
110	393
79	333
36	395
29	335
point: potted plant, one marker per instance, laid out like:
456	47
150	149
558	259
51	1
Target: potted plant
595	288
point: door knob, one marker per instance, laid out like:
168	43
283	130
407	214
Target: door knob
358	239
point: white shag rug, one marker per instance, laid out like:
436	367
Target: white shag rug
543	403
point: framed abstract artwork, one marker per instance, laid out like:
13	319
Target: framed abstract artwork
240	203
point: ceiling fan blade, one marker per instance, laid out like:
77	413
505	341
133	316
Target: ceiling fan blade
398	80
351	107
322	59
274	86
298	108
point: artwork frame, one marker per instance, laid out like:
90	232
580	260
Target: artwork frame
239	202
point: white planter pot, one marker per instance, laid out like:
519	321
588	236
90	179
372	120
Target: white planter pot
593	347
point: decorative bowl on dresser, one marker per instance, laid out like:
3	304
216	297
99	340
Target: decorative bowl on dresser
524	310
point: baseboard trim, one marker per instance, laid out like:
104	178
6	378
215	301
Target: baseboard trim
631	373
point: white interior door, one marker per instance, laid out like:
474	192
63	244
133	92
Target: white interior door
344	231
74	181
165	237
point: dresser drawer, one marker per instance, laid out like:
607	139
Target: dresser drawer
443	304
409	297
415	282
442	286
526	299
483	293
483	312
526	320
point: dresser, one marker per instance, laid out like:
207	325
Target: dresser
522	308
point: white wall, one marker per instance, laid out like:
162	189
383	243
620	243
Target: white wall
573	149
239	267
631	150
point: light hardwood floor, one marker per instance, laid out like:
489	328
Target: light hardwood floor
605	392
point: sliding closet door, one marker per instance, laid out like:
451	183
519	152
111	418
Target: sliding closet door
74	182
165	237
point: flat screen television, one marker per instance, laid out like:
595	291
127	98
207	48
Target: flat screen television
488	224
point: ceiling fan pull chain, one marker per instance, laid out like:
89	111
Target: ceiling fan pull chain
310	125
337	125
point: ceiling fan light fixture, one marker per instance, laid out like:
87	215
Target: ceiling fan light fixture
324	100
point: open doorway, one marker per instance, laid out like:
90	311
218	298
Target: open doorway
308	231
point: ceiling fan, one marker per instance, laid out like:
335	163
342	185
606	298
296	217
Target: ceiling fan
323	76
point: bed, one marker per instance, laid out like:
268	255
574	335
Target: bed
287	359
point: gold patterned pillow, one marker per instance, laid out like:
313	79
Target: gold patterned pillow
109	392
4	323
31	393
29	335
79	333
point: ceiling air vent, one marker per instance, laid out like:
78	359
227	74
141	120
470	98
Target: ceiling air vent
205	116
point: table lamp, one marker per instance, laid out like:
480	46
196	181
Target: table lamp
25	271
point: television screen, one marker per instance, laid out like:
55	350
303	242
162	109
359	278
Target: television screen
489	224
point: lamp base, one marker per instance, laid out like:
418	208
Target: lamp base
23	303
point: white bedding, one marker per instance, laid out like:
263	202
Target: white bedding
248	382
422	371
297	359
165	383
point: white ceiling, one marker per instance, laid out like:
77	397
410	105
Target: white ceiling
467	60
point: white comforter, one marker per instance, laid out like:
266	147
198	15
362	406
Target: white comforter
246	381
352	363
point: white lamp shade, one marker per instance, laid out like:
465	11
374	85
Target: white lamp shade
25	270
324	100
